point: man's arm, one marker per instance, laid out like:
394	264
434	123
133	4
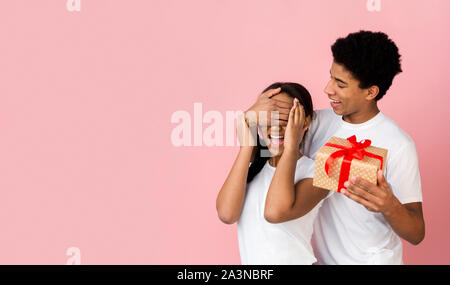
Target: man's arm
405	219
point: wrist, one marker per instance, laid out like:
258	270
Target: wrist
251	122
394	209
294	151
246	148
251	118
247	152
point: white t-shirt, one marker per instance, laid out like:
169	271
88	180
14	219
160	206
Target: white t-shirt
345	232
261	242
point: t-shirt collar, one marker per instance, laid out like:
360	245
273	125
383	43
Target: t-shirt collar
370	123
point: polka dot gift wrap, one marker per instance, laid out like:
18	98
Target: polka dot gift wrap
348	158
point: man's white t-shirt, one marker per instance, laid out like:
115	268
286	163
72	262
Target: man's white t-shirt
261	242
345	232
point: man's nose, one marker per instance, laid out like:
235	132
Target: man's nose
329	89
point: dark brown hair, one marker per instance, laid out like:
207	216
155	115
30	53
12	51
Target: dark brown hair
294	90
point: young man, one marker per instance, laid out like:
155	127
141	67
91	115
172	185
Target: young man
364	226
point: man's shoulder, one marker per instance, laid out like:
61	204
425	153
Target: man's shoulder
322	127
392	137
323	118
324	113
305	161
392	130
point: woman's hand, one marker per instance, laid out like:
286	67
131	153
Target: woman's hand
230	199
296	127
246	130
265	103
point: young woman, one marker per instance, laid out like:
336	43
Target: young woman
273	200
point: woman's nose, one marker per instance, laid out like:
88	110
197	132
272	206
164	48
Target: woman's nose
277	129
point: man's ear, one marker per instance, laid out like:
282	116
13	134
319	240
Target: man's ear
372	92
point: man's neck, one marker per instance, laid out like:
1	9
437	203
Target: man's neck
362	116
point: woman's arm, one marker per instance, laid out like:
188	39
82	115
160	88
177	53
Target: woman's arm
230	199
231	196
286	201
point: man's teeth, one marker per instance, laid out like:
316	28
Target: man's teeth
334	101
276	137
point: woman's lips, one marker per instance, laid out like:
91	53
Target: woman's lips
276	141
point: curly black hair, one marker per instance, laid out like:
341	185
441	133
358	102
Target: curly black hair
371	57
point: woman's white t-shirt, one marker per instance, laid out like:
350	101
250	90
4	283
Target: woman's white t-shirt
261	242
345	232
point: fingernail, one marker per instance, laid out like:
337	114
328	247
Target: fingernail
346	183
343	191
353	178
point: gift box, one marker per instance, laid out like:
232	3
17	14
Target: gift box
339	159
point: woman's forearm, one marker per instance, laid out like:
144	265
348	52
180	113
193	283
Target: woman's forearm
230	199
281	194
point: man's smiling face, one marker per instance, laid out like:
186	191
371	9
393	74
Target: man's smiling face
346	98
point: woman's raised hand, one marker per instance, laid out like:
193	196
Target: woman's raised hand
246	130
265	103
296	128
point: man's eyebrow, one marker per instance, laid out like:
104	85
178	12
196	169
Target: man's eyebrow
338	79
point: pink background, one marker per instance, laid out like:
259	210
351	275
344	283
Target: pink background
87	97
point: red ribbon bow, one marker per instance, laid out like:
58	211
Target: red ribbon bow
355	151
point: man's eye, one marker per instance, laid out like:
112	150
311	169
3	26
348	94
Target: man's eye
341	86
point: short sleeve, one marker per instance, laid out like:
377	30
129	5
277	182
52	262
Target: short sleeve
403	175
310	169
304	168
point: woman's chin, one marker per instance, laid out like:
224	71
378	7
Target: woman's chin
276	150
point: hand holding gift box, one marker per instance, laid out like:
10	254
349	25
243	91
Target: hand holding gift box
341	158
